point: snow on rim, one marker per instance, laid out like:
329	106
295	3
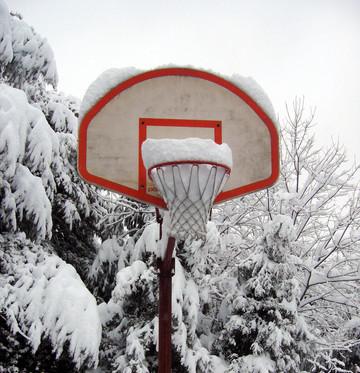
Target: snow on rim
113	77
156	151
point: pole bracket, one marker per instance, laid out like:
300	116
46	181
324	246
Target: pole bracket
163	271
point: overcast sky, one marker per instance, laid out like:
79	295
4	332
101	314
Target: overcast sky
307	48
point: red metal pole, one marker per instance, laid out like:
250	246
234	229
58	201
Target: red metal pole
166	267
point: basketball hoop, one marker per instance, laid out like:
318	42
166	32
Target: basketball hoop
181	170
188	174
189	189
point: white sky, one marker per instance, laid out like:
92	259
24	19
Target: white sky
308	48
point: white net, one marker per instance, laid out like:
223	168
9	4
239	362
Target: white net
189	190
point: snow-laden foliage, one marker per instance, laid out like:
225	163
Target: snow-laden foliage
130	316
352	332
43	196
49	320
38	168
42	297
111	257
253	364
26	57
28	148
263	324
62	118
6	52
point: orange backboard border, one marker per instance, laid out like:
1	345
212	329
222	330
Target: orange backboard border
140	194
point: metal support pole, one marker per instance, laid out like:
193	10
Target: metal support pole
167	268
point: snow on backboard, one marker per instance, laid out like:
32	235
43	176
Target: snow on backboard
175	103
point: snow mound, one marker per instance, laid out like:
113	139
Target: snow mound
112	77
252	88
103	84
156	151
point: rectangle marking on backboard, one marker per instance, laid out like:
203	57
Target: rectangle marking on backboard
159	128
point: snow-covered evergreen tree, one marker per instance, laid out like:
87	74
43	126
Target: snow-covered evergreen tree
263	331
48	215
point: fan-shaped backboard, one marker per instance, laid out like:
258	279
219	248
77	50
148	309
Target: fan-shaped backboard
175	103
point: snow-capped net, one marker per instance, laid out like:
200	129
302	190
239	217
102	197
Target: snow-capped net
189	190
